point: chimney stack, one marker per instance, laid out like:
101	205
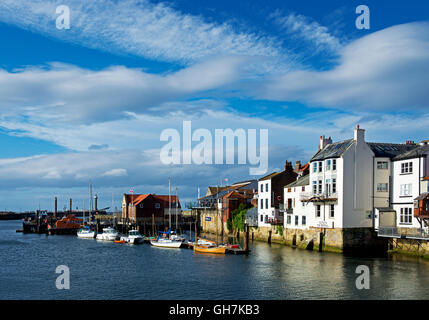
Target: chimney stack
288	166
55	207
71	205
297	166
359	135
324	142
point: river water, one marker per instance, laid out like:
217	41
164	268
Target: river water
101	270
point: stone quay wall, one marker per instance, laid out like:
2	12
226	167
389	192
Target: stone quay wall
333	240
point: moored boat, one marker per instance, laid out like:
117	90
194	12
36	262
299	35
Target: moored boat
166	243
109	234
134	237
86	232
209	247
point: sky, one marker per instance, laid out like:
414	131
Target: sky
90	102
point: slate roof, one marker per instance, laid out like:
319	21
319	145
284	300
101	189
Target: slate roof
419	151
333	150
390	150
271	175
303	181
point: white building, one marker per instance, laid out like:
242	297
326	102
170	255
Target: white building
270	195
409	171
349	186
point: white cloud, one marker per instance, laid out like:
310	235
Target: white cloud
137	27
300	27
116	173
386	70
72	94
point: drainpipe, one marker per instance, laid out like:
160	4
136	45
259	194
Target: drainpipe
373	192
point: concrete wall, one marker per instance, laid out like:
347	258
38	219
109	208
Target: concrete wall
357	183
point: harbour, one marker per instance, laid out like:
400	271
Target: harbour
105	270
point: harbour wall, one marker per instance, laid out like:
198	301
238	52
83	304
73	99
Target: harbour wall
353	240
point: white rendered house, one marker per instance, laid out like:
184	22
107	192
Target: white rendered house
350	182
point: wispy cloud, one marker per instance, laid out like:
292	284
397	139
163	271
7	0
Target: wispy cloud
301	28
138	27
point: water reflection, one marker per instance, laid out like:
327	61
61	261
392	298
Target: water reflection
103	270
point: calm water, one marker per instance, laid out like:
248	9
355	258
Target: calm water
116	271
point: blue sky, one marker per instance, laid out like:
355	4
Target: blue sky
90	102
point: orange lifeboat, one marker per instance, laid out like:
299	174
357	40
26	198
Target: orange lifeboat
69	222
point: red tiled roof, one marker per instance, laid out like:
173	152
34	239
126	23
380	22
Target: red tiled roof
137	198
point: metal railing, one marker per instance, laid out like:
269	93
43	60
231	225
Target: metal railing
391	232
410	233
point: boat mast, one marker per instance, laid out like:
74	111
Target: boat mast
176	211
169	203
217	214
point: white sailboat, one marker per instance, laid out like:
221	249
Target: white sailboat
85	232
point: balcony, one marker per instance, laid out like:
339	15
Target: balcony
318	197
275	221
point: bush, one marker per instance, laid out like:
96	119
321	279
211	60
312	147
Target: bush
239	217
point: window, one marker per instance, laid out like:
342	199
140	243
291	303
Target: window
289	220
157	205
318	211
406	215
314	167
303	189
334	185
328	186
296	220
262	187
334	164
262	218
266	218
314	187
304	220
382	187
328	165
382	165
266	187
262	203
405	190
320	166
332	211
407	167
141	205
320	187
266	203
289	203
